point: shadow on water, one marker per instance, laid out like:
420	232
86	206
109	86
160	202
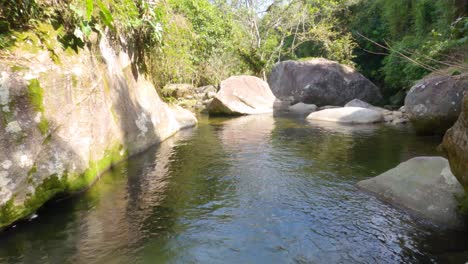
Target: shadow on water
244	190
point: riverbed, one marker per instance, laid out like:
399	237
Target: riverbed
252	189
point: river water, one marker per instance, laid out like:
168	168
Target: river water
253	189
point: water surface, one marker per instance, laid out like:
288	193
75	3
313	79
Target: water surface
252	189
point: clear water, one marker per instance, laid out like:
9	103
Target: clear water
245	190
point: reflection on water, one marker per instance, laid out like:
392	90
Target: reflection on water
245	190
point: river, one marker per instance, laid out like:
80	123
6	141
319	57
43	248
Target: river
253	189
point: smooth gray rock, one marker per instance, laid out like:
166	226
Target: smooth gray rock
321	82
424	185
302	109
358	103
348	115
434	104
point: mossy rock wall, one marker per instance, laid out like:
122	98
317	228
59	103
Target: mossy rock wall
66	116
455	145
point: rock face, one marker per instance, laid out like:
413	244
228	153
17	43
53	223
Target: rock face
391	117
455	144
348	115
242	95
321	82
425	185
433	105
62	124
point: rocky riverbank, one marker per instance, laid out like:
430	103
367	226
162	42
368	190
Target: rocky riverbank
66	117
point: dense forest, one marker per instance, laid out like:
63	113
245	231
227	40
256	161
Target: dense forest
392	42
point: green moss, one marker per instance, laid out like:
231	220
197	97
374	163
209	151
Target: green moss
54	185
36	95
31	172
7	116
9	213
27	41
74	81
462	204
111	156
49	39
114	115
17	68
36	98
105	84
44	192
43	126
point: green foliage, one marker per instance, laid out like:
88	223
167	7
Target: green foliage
8	213
204	41
422	36
18	13
199	44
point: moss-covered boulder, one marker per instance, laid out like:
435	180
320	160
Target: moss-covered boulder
455	144
65	117
433	104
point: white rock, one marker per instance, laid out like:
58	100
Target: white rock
349	115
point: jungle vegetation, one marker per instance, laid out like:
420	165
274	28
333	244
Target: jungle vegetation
392	42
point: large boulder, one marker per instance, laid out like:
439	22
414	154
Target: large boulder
433	104
321	82
424	185
242	95
347	115
455	144
63	124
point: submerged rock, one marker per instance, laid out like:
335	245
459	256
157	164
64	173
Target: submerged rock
425	185
348	115
321	82
242	95
455	144
433	104
63	124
